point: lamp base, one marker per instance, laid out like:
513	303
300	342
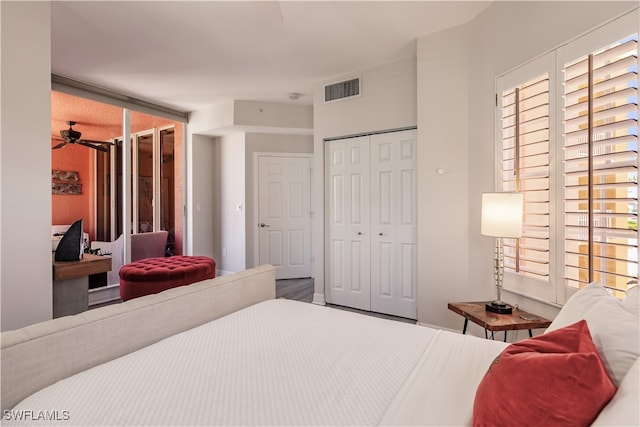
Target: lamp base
498	307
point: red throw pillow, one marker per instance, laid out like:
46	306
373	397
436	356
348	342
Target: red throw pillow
553	379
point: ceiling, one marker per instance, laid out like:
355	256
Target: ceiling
95	120
192	55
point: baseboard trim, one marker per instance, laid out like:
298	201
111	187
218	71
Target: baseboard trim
319	299
104	294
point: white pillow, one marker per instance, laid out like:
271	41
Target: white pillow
623	409
632	301
615	331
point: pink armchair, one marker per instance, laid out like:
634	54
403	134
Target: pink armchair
143	245
148	245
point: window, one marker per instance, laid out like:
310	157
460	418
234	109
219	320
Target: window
567	137
526	130
601	166
525	169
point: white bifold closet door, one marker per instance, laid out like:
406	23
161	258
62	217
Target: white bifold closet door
372	230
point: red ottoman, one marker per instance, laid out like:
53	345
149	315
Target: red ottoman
153	275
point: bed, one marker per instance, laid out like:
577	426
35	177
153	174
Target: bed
226	352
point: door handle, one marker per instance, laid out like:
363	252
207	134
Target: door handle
359	233
262	224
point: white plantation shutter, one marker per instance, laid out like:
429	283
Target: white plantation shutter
601	166
525	168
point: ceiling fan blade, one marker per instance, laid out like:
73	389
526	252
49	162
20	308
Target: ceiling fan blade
97	147
92	141
62	144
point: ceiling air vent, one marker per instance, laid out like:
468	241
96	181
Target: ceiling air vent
342	90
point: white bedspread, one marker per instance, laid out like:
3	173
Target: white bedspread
279	362
442	388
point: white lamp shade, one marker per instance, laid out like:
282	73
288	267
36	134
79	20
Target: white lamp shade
502	214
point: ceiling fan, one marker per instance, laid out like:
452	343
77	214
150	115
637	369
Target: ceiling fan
71	136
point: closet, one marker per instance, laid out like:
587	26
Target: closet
371	191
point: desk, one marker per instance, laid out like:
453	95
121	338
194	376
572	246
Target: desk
71	283
477	313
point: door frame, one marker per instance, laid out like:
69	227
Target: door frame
256	199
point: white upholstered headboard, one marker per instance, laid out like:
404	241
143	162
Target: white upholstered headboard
39	355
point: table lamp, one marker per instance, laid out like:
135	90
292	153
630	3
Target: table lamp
501	217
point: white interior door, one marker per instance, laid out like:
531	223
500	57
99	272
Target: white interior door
349	217
284	214
393	223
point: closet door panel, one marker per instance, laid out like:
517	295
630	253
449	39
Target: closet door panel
349	223
407	284
383	214
393	222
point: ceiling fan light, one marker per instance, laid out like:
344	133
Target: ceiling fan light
70	134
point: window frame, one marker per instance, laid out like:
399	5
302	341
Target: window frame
590	42
518	283
555	291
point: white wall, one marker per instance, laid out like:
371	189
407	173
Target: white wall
252	116
221	178
222	173
216	117
232	187
25	164
265	143
286	117
388	101
202	197
236	244
443	173
503	37
221	141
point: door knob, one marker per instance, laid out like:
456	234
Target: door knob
359	233
262	224
380	234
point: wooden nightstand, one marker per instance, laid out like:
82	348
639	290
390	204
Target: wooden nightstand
518	320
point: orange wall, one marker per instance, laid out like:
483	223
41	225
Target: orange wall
101	122
66	208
